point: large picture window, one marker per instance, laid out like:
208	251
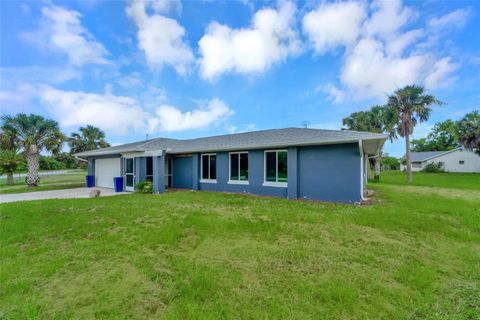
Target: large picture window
238	167
209	167
276	167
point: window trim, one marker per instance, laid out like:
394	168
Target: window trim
201	168
273	183
230	181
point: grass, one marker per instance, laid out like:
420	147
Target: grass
73	179
201	255
448	180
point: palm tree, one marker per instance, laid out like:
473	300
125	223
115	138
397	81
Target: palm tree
32	134
378	120
409	105
468	129
88	138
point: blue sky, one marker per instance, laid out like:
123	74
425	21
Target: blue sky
186	69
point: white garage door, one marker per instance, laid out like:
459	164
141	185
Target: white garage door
105	170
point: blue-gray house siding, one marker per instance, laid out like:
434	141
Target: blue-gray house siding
328	172
183	172
328	165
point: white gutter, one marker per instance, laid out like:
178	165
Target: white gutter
360	146
80	159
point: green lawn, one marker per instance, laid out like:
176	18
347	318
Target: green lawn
72	179
443	180
413	254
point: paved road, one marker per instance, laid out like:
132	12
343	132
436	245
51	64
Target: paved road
57	194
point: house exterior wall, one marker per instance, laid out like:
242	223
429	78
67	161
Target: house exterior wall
451	161
330	172
183	172
255	177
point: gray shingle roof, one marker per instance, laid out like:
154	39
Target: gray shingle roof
274	138
422	156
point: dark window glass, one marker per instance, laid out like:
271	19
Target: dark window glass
461	162
129	166
129	180
282	166
213	167
205	167
234	166
244	166
271	166
149	166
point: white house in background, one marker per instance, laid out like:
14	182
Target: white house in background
456	160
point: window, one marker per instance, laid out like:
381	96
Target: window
149	169
461	162
209	168
238	167
416	164
276	168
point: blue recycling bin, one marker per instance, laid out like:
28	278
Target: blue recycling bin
118	183
90	181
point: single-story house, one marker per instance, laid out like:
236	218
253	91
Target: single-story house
294	163
456	160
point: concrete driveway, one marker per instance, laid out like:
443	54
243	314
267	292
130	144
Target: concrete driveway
57	194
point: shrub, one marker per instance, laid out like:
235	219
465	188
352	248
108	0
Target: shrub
145	187
434	167
48	163
390	163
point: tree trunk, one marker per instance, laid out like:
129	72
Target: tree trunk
10	180
33	162
408	158
378	161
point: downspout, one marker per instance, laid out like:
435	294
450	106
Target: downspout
360	146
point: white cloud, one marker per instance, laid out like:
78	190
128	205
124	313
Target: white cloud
440	76
271	39
334	24
170	118
165	6
61	31
382	53
457	18
120	114
160	37
131	80
388	18
112	113
333	92
370	71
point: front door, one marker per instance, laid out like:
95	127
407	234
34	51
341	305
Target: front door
129	174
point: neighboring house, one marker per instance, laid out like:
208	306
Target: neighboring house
456	160
294	163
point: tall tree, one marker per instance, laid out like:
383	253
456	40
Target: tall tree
86	139
410	105
378	120
468	129
443	137
31	134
